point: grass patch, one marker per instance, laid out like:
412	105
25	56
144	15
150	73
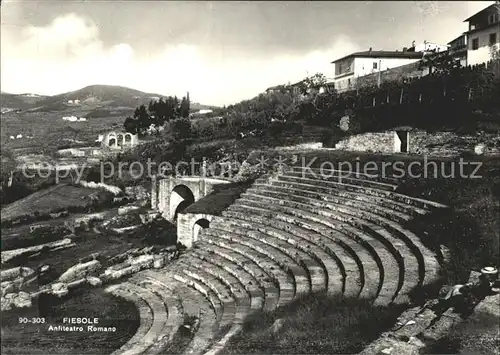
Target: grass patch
42	235
470	230
183	336
313	325
52	199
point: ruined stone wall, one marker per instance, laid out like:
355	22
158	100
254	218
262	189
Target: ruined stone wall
451	144
380	142
423	143
187	233
137	192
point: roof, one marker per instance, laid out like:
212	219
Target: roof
274	87
454	39
383	54
297	83
491	7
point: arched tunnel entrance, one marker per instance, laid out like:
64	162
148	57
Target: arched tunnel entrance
198	226
180	198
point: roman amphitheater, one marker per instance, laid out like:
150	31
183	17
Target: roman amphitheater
290	234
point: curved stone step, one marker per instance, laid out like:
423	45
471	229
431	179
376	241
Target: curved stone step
241	295
301	275
195	304
232	274
352	277
145	314
225	300
328	189
353	174
329	175
371	267
193	282
157	328
234	314
411	254
428	265
414	201
329	194
232	304
263	276
318	199
297	240
317	222
313	224
174	307
285	281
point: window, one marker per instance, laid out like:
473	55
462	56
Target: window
349	83
475	44
492	18
374	65
493	38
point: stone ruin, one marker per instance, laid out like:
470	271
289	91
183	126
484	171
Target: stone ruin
423	326
86	273
13	280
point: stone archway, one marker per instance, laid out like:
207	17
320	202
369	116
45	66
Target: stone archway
200	224
127	139
120	139
111	139
180	198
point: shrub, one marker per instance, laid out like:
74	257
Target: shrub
178	129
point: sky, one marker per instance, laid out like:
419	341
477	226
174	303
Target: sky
221	52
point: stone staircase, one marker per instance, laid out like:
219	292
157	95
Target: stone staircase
290	234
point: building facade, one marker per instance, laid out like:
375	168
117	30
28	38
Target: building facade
458	49
483	35
430	47
349	68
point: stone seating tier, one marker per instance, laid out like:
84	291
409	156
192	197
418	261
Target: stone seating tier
308	188
288	235
301	276
427	265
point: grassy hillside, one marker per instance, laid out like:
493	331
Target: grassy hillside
20	101
45	201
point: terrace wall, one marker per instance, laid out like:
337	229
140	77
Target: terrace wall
421	143
411	70
383	142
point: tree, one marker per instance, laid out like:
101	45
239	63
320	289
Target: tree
185	106
440	63
130	125
316	81
143	119
180	129
157	113
72	131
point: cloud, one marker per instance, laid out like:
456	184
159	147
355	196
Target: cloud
68	54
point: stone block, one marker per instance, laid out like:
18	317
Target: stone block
80	270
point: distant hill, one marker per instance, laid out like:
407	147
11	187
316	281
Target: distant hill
19	101
91	101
